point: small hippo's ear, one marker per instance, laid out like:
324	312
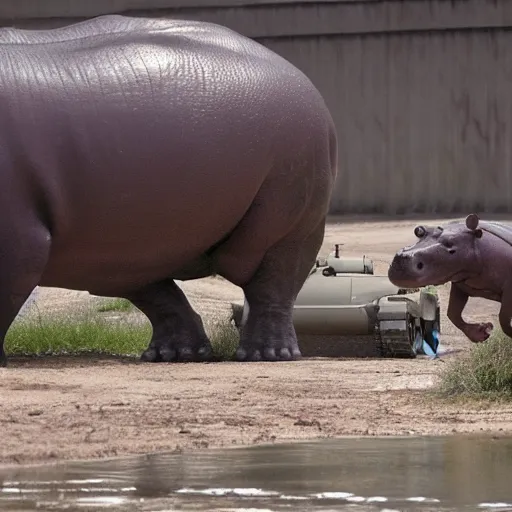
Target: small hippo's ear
472	222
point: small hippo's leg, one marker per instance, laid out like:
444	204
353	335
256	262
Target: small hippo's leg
268	333
23	257
456	304
477	333
178	332
505	314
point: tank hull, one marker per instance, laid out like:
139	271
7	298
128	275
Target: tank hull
359	312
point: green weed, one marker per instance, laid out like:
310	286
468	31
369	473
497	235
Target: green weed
484	372
430	289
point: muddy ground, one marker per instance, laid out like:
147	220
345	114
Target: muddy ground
68	408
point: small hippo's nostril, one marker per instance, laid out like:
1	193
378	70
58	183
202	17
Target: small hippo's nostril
419	266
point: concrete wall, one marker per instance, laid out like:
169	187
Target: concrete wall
420	90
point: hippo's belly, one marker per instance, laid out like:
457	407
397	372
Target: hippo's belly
482	290
141	220
139	197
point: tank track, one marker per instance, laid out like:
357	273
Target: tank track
390	343
394	343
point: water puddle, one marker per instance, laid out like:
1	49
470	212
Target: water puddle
369	474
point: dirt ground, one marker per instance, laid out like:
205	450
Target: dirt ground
69	408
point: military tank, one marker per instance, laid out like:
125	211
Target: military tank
343	301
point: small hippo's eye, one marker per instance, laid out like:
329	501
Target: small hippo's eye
419	231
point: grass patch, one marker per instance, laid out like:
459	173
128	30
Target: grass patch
62	335
224	338
90	333
484	372
117	304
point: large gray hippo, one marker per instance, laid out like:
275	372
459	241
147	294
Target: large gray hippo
138	151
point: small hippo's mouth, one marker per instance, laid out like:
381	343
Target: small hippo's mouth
407	281
399	272
408	272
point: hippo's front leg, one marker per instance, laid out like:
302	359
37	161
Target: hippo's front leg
178	332
23	257
477	333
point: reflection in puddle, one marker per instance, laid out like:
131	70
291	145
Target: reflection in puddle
369	474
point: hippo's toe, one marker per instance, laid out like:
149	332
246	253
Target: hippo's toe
173	351
268	354
150	355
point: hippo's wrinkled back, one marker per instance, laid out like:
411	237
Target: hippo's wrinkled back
503	231
102	25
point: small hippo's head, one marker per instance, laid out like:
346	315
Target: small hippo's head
440	255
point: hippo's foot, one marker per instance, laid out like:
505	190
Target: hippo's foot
268	336
478	333
178	332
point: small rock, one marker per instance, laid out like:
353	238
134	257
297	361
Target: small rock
184	431
36	412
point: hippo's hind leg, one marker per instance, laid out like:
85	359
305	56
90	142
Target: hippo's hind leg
271	282
178	332
23	257
268	333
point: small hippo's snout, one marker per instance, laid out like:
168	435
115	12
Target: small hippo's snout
406	270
